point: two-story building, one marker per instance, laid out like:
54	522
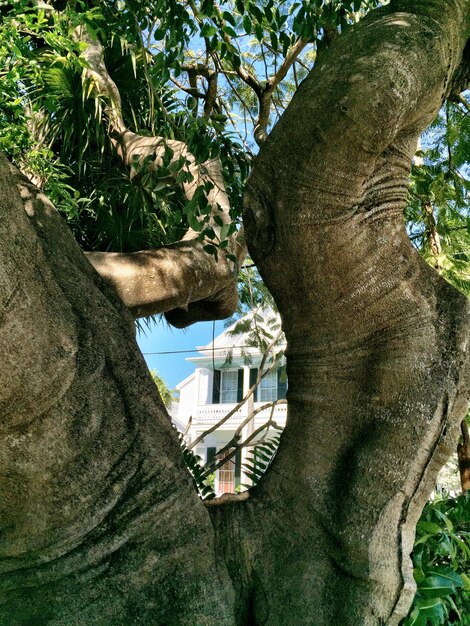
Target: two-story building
225	370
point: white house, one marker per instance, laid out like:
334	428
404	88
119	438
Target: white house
225	370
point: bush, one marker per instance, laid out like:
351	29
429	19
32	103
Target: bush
441	559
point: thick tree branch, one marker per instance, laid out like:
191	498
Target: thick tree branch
211	93
162	290
210	75
463	101
158	281
291	56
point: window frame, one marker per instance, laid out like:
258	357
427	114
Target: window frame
272	388
233	390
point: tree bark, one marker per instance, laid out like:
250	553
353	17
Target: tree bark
183	280
99	523
99	520
377	341
463	454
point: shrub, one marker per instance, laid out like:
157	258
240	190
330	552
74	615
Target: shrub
441	559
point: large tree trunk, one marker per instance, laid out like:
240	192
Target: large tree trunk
99	523
377	341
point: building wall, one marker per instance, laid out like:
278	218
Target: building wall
205	386
187	400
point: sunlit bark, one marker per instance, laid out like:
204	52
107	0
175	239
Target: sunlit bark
377	341
99	522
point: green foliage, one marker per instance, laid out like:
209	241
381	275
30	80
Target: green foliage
167	395
259	458
253	293
441	184
441	559
204	483
67	143
261	328
148	48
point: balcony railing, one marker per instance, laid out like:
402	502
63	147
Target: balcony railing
210	414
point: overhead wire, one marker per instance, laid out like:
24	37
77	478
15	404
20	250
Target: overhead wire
196	350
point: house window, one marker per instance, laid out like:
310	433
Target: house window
268	387
228	386
272	387
210	454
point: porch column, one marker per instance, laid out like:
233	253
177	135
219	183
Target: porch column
247	408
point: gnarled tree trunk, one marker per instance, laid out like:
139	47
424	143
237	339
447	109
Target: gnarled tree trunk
99	524
99	521
377	341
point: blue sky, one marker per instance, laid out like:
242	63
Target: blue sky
161	337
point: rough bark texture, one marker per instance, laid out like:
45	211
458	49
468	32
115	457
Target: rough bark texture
99	524
377	341
99	521
181	280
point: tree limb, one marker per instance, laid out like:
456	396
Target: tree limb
463	101
291	56
265	96
157	281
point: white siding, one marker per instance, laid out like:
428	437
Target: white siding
187	404
206	379
201	452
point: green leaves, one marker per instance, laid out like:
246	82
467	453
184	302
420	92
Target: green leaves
440	584
208	30
429	527
247	24
167	395
439	196
441	559
260	458
204	486
426	612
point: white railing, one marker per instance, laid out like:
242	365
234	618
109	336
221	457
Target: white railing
210	414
